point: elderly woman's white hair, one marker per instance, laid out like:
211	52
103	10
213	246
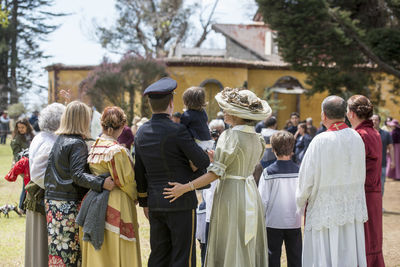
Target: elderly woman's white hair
50	117
215	124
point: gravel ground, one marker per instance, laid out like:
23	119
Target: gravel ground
391	223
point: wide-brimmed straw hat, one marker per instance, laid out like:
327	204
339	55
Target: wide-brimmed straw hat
243	104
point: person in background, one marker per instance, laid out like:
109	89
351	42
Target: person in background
395	172
126	138
4	127
277	188
67	180
387	145
331	189
261	125
176	117
22	138
36	246
220	116
359	112
34	118
321	129
312	130
303	140
294	120
385	127
216	126
269	156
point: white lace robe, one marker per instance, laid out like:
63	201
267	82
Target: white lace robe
331	185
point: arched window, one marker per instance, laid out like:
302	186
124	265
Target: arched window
212	87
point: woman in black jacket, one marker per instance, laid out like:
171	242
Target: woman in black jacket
67	180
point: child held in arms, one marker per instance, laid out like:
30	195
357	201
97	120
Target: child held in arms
195	117
277	188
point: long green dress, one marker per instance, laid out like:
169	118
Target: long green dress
237	234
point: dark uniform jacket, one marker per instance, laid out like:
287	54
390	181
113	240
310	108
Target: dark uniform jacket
163	150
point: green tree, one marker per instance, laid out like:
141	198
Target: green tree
119	82
148	27
3	17
339	44
28	24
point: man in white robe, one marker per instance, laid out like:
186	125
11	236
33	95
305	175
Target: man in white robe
331	189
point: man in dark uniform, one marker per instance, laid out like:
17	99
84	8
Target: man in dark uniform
163	151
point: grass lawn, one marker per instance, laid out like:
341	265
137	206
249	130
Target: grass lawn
12	230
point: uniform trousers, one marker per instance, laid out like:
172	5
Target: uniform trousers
172	238
293	245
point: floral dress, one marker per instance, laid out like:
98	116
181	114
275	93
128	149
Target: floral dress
63	234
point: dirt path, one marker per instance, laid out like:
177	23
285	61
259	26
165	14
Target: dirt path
391	223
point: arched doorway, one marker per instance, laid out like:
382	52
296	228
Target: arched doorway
212	87
286	90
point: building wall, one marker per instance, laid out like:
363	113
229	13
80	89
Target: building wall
194	76
258	80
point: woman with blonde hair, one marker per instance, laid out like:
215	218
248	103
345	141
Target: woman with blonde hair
67	179
121	235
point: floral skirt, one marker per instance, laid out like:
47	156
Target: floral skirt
63	233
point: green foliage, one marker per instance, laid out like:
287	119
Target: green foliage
29	22
16	110
119	82
334	41
3	17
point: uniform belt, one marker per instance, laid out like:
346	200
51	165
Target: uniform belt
251	206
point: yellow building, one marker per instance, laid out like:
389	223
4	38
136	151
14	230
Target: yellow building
216	73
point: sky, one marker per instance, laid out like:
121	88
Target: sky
73	43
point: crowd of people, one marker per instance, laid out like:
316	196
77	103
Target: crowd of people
85	172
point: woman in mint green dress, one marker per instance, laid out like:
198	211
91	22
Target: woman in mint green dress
237	234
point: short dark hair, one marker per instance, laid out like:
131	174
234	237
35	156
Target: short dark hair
282	143
194	98
334	107
295	114
361	106
160	104
271	121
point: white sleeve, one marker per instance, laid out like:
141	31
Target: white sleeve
38	165
306	177
264	189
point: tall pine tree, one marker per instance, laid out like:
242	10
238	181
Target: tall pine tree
29	21
340	44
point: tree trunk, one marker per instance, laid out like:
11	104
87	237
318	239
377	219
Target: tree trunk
14	53
4	41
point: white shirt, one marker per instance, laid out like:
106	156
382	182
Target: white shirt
278	194
331	180
39	152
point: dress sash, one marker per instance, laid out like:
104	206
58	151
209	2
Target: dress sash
251	206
